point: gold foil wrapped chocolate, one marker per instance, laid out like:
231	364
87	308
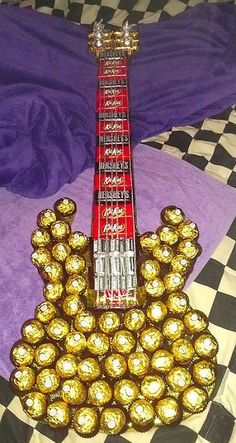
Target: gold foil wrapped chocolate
61	251
45	218
126	391
142	413
168	235
41	257
174	281
188	230
177	303
58	328
113	420
88	369
73	392
45	312
78	241
58	414
74	264
60	230
46	354
53	291
180	264
123	341
179	379
99	393
153	387
194	399
157	311
138	363
98	343
109	322
65	208
48	381
75	285
206	345
189	248
134	319
85	321
33	331
67	365
75	342
23	379
150	269
173	328
163	253
151	339
172	215
155	288
85	421
22	354
148	241
168	410
72	305
40	238
204	372
162	361
195	321
53	272
34	404
115	365
182	350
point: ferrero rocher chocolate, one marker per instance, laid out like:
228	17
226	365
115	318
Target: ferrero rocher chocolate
88	369
99	393
58	414
45	312
155	288
150	269
75	342
172	215
162	361
177	303
85	421
180	264
182	350
98	343
204	372
85	321
157	311
46	354
23	378
65	207
58	328
123	341
53	291
206	345
115	365
153	387
138	363
179	379
53	272
48	381
194	399
109	322
189	248
33	331
78	241
41	257
40	238
22	354
188	229
173	328
151	339
75	285
61	251
195	321
112	421
34	404
67	365
168	235
148	241
142	413
72	305
174	281
73	392
163	253
60	230
74	264
126	391
46	218
168	410
134	319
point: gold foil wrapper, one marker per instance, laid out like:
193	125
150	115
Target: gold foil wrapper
195	321
88	369
74	264
85	421
123	341
41	257
148	241
46	354
58	414
126	391
134	319
173	328
109	322
182	350
99	393
194	399
150	269
60	230
138	363
142	413
67	365
188	230
73	392
174	281
23	379
53	272
34	404
168	410
46	218
53	291
75	285
168	235
72	305
157	311
172	215
206	345
162	361
22	354
113	420
179	379
163	253
153	387
75	342
177	303
58	328
151	339
40	238
85	322
180	264
48	381
155	288
189	248
33	331
98	343
45	312
204	372
115	365
78	241
65	207
61	251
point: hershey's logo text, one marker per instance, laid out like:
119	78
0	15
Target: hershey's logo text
112	82
109	115
110	196
113	139
116	166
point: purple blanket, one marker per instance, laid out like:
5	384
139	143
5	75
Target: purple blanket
185	71
160	179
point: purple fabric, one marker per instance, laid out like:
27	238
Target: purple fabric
185	71
161	180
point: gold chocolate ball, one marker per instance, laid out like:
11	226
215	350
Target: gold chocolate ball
58	414
34	404
78	241
168	410
58	328
85	321
99	393
142	413
61	251
65	207
33	331
46	218
88	369
75	342
125	391
53	291
46	354
182	350
123	341
48	381
206	345
98	343
157	311
163	253
155	288
75	264
195	321
23	378
113	420
45	312
153	387
72	305
174	281
138	363
73	392
67	365
41	257
85	421
53	272
204	372
194	399
60	230
115	365
173	328
40	238
151	339
162	361
75	285
177	303
148	241
189	248
22	354
134	319
150	269
109	322
180	264
179	379
172	215
188	229
168	234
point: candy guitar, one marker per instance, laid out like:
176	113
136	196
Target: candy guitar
115	344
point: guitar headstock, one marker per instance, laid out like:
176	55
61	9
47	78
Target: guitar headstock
101	40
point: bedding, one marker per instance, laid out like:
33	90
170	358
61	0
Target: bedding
208	145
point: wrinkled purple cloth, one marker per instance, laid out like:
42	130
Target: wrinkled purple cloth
185	71
160	179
